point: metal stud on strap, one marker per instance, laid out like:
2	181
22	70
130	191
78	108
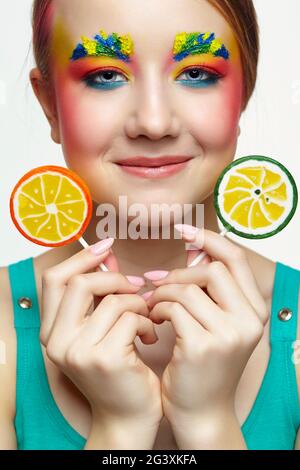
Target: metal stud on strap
25	302
285	314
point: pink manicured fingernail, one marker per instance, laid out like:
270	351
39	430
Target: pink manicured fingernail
102	246
188	237
194	235
136	280
147	295
186	229
191	247
156	275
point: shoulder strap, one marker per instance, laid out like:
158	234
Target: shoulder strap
24	294
284	313
27	323
36	409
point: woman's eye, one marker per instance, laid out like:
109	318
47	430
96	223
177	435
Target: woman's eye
105	79
197	77
108	79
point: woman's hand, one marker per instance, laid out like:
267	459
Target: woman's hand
96	350
218	314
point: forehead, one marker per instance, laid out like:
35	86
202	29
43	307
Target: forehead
152	24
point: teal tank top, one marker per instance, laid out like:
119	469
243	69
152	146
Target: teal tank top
272	423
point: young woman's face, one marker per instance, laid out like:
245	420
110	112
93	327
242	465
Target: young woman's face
151	106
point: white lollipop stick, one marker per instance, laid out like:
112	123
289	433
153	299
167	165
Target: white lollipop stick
84	244
203	254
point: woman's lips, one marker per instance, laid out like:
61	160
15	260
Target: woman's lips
154	172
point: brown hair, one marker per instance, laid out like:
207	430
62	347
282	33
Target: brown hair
240	14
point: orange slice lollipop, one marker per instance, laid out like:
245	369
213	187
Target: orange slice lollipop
51	206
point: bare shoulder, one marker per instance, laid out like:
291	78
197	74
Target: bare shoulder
7	363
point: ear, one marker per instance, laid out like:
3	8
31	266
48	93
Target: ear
44	94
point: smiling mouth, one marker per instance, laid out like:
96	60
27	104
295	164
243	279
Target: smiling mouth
154	161
154	171
150	166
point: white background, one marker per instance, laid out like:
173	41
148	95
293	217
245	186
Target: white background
270	126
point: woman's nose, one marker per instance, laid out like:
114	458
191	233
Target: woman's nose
152	115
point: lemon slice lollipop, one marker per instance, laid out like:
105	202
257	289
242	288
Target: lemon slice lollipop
51	206
255	197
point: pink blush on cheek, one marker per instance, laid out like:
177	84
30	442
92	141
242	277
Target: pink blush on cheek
85	124
216	117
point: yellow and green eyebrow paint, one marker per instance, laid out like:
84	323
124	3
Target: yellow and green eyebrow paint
122	47
113	45
186	44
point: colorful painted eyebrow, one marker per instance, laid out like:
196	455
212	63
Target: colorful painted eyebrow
122	47
186	44
113	45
